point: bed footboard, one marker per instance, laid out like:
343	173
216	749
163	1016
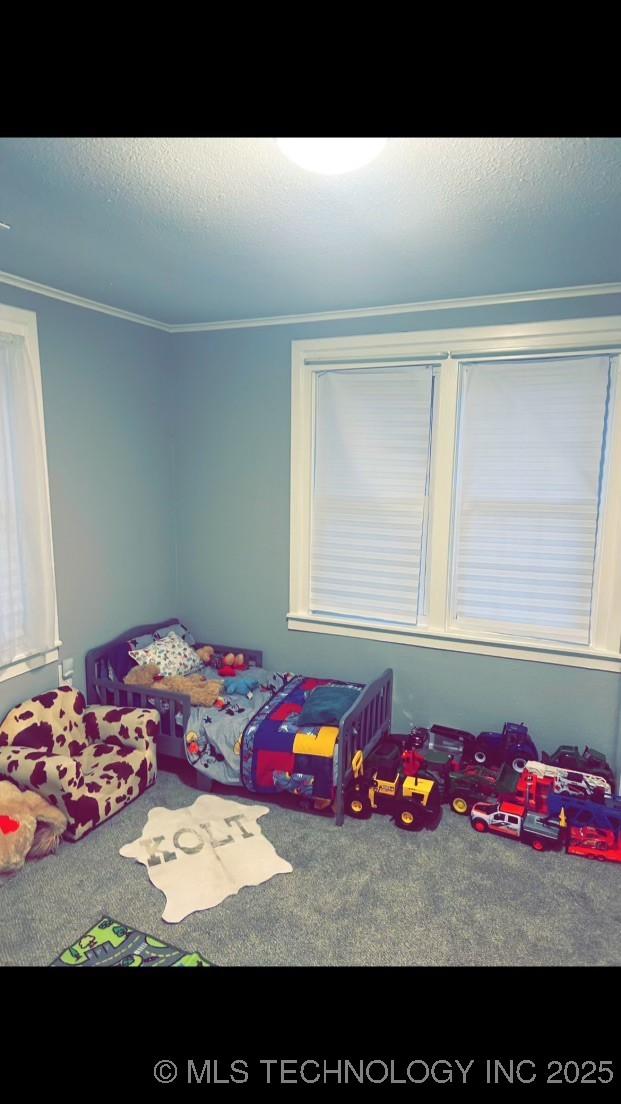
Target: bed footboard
362	728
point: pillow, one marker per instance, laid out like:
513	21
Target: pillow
179	629
141	641
326	705
172	655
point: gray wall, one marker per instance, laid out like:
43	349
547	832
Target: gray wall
137	420
107	398
232	461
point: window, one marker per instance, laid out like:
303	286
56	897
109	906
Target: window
461	489
529	461
370	490
28	616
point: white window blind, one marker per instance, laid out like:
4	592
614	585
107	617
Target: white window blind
28	623
370	492
530	452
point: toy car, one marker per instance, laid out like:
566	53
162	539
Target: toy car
594	843
590	761
380	785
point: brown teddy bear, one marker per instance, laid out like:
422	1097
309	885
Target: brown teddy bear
200	690
142	676
30	827
206	653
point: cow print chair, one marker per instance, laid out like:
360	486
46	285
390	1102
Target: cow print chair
89	761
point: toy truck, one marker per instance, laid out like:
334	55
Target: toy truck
473	784
593	827
590	761
538	780
513	745
460	788
536	812
511	818
380	785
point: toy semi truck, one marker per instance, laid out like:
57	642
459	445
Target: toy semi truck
593	827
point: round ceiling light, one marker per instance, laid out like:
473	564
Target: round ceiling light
331	155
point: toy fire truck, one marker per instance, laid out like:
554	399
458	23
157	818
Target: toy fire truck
542	808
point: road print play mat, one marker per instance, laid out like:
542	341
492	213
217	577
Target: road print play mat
110	943
204	853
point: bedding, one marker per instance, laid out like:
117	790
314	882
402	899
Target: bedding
213	734
327	705
260	743
282	754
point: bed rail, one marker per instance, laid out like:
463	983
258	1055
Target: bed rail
108	692
362	728
102	690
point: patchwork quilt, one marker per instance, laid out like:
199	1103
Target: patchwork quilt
277	755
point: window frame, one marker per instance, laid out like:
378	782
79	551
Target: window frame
23	323
449	348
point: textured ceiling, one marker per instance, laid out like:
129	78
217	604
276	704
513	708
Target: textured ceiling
209	229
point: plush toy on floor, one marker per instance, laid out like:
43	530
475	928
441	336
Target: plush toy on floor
30	827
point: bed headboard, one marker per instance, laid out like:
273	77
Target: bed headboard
96	658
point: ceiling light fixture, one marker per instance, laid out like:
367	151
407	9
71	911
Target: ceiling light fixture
331	155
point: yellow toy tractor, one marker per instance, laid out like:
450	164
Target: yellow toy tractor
380	785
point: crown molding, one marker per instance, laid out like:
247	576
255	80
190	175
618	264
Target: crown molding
78	300
582	291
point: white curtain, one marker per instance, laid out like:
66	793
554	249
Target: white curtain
531	441
28	620
370	492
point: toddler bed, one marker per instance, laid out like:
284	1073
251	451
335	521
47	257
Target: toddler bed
256	743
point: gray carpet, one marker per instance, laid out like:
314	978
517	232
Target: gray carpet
365	894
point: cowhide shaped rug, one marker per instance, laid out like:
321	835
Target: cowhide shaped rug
204	853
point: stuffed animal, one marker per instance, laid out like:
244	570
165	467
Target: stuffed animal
205	654
241	684
30	827
200	690
142	676
238	661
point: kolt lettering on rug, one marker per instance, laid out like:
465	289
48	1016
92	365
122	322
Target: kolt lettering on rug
204	853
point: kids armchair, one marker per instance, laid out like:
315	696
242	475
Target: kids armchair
90	762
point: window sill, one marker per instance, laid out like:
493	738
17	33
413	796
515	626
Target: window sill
30	663
564	655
